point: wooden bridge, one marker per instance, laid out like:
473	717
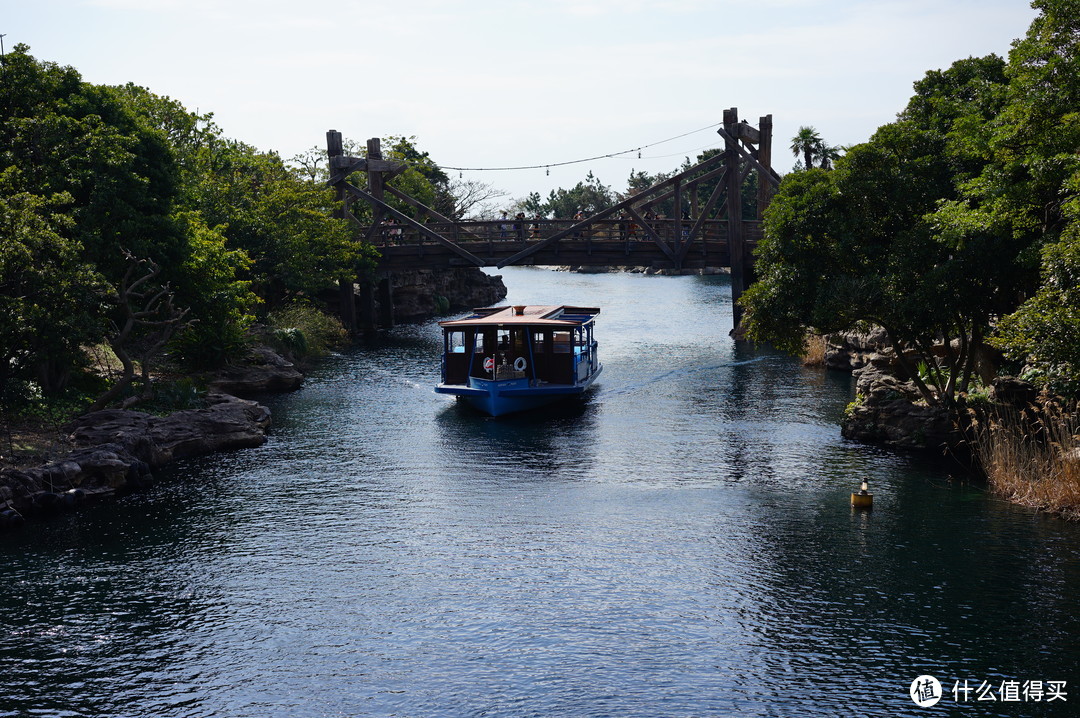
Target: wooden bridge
629	234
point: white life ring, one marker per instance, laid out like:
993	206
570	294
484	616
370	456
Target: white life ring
520	364
489	364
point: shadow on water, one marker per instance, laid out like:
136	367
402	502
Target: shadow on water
543	442
678	543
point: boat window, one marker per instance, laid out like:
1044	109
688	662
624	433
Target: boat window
479	348
504	339
538	342
561	341
455	342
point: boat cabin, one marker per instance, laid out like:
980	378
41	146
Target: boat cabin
543	344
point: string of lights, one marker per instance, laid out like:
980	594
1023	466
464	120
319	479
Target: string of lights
549	165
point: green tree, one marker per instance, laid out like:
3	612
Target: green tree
221	303
876	241
62	137
531	205
1031	190
51	298
1044	333
66	135
589	197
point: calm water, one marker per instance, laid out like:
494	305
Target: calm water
680	544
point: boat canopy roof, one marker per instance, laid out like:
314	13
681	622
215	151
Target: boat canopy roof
555	316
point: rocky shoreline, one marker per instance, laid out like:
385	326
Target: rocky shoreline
888	409
115	451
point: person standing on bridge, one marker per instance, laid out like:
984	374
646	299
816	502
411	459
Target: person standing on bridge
629	228
504	225
519	225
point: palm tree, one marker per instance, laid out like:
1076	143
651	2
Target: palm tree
807	143
829	154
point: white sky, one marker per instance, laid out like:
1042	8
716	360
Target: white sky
482	83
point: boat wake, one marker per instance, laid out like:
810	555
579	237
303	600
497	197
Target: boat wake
674	374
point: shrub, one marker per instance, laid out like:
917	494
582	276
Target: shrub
302	331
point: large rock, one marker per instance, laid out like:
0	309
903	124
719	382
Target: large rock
852	350
875	380
1012	391
902	424
889	412
264	371
116	449
425	293
226	423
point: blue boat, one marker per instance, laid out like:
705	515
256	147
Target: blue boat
503	360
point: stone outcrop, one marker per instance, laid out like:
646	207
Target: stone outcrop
889	411
264	371
643	269
227	422
425	293
848	351
116	450
1011	391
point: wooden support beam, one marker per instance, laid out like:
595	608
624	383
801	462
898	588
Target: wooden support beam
347	305
621	206
747	133
765	192
424	208
690	186
367	307
734	212
386	302
342	167
732	143
717	192
333	144
656	238
409	221
676	226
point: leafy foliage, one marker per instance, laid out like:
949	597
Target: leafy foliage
93	176
302	331
865	243
935	227
50	297
588	197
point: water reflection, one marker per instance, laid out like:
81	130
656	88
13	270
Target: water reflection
555	439
679	543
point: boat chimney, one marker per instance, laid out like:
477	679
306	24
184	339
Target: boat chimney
519	310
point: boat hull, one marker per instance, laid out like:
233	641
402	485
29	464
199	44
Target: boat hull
509	396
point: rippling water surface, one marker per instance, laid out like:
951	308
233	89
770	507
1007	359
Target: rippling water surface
679	544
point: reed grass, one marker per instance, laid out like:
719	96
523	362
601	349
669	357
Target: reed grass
814	350
1032	457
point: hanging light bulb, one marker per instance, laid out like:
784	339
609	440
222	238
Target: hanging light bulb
547	171
639	154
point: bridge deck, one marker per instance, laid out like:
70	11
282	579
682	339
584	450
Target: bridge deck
611	243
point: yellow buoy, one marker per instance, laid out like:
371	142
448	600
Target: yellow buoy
862	499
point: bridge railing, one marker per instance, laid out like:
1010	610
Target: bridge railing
524	232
